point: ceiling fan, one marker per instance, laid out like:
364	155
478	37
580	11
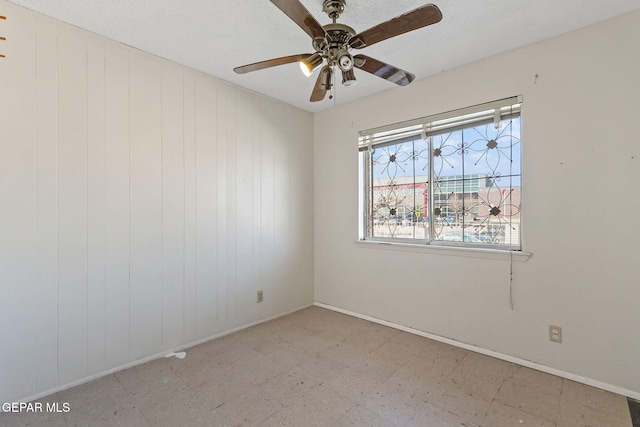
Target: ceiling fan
332	43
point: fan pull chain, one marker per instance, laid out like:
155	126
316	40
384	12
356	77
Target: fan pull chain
333	88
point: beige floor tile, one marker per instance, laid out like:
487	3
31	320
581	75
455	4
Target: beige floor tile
361	361
180	407
460	402
217	346
536	393
296	416
432	416
262	336
157	372
224	387
576	415
480	375
390	404
318	320
539	380
144	397
501	415
200	353
198	374
411	343
116	416
287	356
320	368
528	400
234	356
256	366
244	362
371	338
312	344
251	408
592	397
401	348
324	400
31	420
416	387
359	416
437	350
101	399
351	384
437	369
289	386
339	328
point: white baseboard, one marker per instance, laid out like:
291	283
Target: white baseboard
153	357
506	357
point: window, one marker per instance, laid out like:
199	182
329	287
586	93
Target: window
451	179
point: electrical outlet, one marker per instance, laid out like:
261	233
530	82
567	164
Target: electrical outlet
555	333
260	297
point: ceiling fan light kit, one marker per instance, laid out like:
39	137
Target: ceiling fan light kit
345	60
326	78
349	78
333	41
310	64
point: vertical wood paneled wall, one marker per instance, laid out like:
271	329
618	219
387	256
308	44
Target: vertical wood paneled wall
142	205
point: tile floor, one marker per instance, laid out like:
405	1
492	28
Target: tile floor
316	367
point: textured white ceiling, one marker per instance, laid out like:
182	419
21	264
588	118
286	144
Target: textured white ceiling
214	36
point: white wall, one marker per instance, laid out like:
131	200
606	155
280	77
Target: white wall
143	204
581	211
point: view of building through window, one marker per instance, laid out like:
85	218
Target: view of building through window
460	186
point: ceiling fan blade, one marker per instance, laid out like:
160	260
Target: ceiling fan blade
383	70
301	16
417	18
320	88
270	63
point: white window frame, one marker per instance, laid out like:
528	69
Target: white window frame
426	128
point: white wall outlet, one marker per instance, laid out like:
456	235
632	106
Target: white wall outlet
555	333
260	296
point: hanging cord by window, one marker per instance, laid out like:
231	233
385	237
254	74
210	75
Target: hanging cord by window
511	280
3	18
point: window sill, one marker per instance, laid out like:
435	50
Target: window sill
495	254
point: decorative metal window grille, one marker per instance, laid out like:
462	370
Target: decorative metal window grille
451	179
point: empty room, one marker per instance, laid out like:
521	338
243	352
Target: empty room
319	213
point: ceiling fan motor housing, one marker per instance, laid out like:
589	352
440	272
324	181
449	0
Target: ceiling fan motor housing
336	48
